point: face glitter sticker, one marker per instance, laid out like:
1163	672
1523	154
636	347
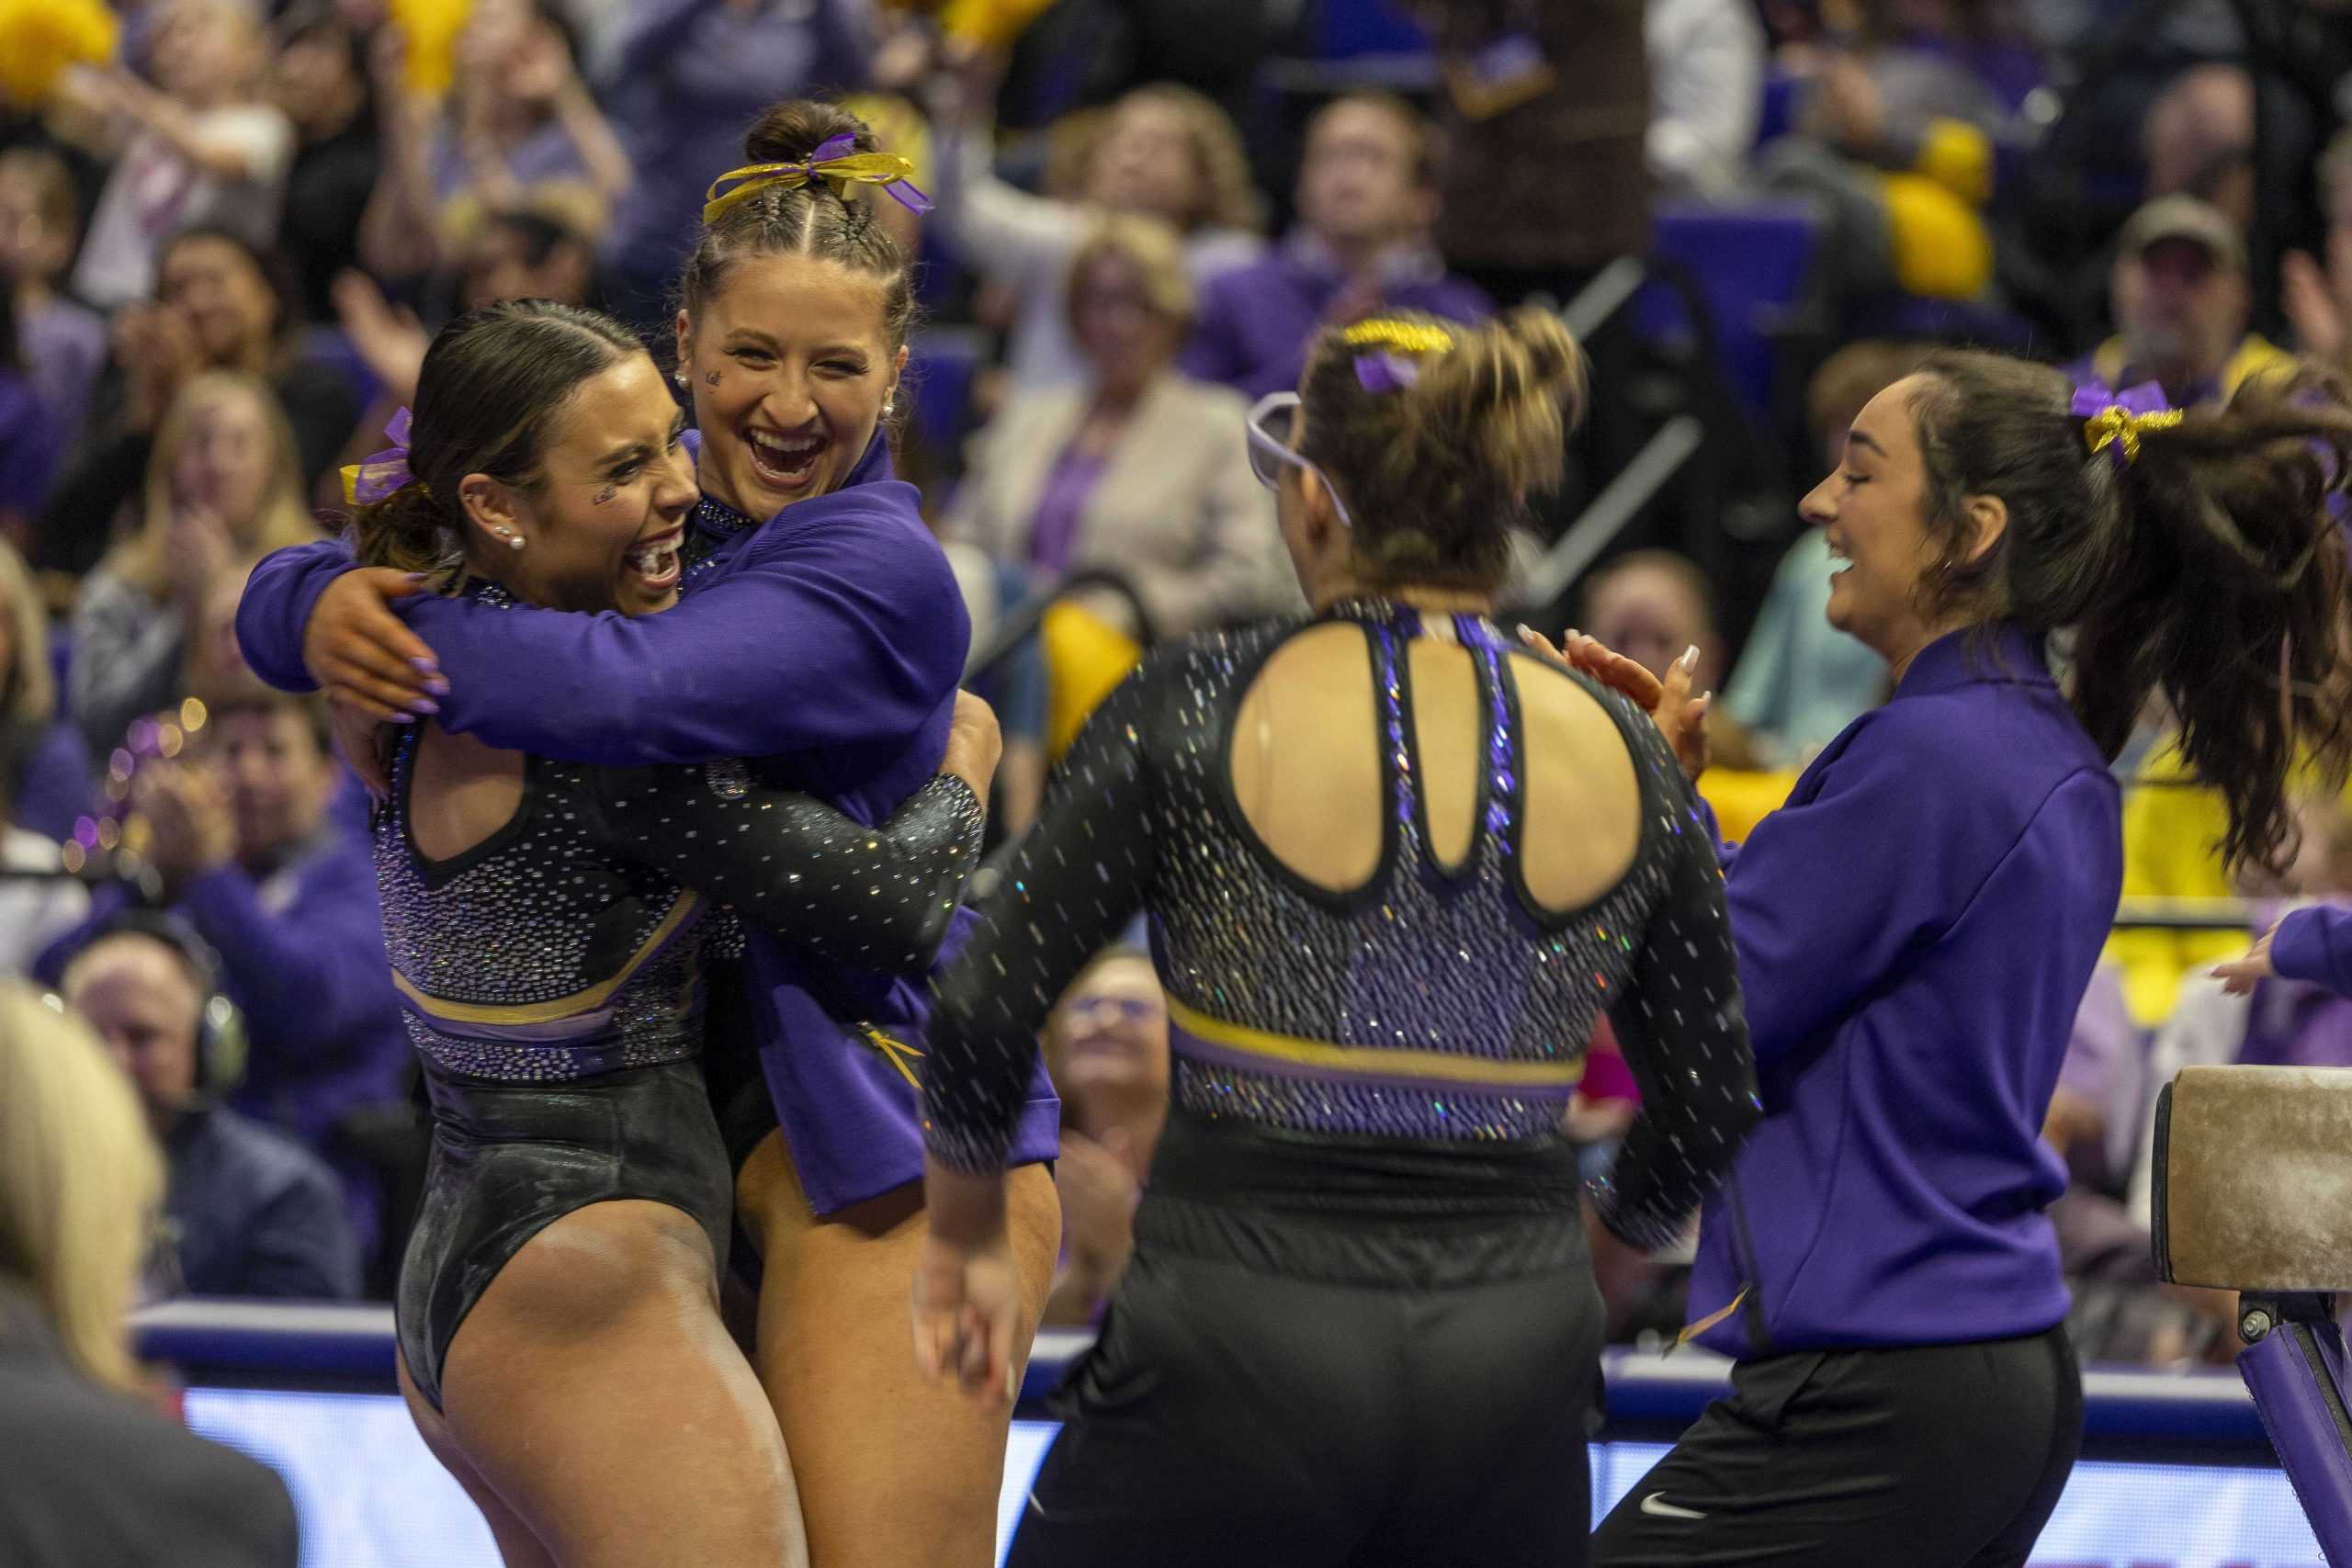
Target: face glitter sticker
605	494
711	379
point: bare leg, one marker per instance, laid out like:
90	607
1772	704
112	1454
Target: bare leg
593	1390
517	1547
893	1470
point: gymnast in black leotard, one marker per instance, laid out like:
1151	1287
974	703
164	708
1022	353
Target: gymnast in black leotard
1393	870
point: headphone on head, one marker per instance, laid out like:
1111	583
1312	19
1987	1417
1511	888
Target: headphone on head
220	1028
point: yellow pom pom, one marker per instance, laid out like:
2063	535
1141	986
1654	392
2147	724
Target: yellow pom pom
430	29
1942	249
40	38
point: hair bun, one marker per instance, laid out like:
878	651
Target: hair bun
791	130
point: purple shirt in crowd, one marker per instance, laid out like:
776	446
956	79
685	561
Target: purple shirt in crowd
687	77
2315	945
1053	533
54	786
65	348
1255	321
1916	928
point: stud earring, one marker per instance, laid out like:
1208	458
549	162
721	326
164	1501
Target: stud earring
513	541
679	377
889	407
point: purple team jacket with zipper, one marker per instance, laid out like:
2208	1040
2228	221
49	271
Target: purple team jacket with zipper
1915	929
828	642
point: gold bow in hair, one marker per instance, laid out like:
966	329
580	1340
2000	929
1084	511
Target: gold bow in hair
834	163
2118	426
1406	337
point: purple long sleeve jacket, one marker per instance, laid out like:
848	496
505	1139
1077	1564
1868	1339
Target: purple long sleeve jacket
1915	929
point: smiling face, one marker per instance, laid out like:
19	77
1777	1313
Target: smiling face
602	523
1872	508
791	364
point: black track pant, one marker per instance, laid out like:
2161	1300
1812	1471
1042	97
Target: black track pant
1937	1456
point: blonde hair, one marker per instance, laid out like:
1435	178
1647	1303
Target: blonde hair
1228	198
1436	449
1149	246
80	1180
281	518
30	691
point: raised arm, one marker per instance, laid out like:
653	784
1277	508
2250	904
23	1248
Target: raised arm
1077	879
829	633
1684	1036
880	899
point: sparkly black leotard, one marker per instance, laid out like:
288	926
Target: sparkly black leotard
1360	1326
552	981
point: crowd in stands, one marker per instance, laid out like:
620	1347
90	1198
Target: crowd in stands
226	245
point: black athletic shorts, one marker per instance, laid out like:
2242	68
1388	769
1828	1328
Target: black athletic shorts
1932	1456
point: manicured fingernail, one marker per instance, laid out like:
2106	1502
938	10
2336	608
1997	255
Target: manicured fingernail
438	686
1689	659
1526	632
425	666
403	718
416	576
424	705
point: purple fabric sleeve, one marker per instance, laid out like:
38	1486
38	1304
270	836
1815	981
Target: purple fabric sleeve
277	606
2315	946
830	630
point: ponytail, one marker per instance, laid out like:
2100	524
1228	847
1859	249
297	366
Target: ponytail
1437	435
2203	567
406	531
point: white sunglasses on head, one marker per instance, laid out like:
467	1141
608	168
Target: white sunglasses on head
1269	427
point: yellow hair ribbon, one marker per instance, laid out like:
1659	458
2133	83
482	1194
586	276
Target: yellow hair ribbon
2115	423
887	169
1406	337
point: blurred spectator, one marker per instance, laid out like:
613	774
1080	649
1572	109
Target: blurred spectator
28	440
1800	679
522	255
239	835
1107	1047
1165	152
61	343
1896	135
2181	303
1135	468
1367	196
1654	607
36	905
2318	295
1546	113
203	147
1706	60
321	85
684	78
223	307
518	129
50	784
221	487
248	1212
95	1474
2198	140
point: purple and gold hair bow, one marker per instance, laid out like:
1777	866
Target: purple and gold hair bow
384	473
2117	419
836	161
1389	362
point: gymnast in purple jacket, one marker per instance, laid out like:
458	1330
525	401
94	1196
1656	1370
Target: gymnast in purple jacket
826	641
1916	927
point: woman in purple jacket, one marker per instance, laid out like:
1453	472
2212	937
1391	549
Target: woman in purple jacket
2313	945
1917	926
829	641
